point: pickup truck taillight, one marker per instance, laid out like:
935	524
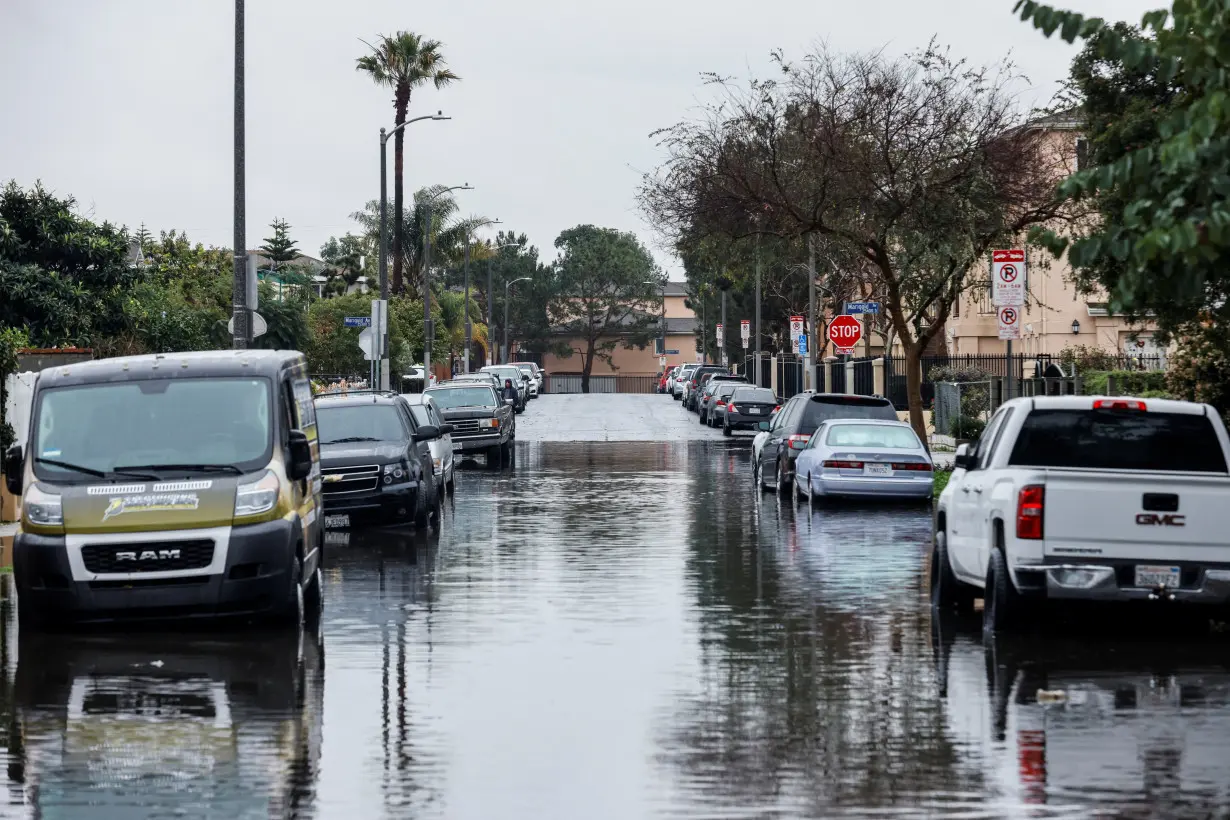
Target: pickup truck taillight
1119	404
1029	504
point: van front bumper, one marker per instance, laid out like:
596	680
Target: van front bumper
255	581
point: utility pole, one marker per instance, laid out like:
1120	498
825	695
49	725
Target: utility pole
465	354
239	290
722	352
756	358
490	294
428	330
813	339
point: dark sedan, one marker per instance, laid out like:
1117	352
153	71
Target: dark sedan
747	407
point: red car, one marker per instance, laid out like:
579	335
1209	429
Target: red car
662	381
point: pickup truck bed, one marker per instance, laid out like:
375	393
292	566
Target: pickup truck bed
1086	498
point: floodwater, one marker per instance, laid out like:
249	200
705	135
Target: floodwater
618	629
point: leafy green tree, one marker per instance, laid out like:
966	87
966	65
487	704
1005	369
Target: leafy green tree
346	258
606	287
1162	176
404	62
280	248
513	257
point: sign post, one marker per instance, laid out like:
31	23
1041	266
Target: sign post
1009	278
796	330
845	332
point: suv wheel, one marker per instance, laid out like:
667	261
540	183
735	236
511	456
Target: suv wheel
422	512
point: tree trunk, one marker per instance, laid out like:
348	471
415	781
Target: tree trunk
913	389
398	204
588	366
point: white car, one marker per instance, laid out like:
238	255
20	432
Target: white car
670	378
1087	498
425	411
530	369
681	379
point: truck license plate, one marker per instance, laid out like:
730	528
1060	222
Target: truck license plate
1154	576
877	469
337	521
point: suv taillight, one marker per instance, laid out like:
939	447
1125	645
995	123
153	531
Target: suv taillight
1029	509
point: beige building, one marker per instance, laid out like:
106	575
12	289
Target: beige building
680	345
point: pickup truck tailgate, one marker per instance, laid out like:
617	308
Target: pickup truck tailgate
1126	515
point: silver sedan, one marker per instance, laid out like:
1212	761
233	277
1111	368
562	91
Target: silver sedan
864	458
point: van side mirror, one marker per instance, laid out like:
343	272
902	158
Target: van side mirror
300	465
963	460
14	466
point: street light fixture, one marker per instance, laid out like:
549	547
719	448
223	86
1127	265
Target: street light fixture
428	328
384	251
469	241
504	355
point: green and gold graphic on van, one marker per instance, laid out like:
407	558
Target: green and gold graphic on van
151	502
147	506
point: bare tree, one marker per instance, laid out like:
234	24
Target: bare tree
918	165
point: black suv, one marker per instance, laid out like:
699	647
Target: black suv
375	460
791	428
480	419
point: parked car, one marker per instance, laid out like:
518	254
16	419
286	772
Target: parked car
530	369
1090	499
868	459
426	413
700	377
662	380
671	375
481	420
680	388
719	403
179	482
480	377
747	406
791	430
376	460
714	388
506	372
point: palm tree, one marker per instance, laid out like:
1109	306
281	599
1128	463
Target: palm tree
448	234
403	62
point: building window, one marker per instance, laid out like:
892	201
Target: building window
1082	153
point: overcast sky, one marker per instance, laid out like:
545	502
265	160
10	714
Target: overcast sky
126	104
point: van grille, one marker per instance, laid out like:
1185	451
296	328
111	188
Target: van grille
149	556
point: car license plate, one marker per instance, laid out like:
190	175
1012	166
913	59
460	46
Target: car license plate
1154	576
337	521
877	469
337	538
755	411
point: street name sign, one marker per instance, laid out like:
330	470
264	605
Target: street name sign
856	308
357	321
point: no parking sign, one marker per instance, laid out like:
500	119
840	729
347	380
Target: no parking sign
1009	317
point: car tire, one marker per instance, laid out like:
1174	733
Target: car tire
450	486
1002	604
314	598
30	618
495	455
784	485
422	511
702	418
506	453
760	482
805	497
291	612
948	593
726	431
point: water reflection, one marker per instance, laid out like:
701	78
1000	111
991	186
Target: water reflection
158	725
1129	726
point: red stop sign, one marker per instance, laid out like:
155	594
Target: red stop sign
845	331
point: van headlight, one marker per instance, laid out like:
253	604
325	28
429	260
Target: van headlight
256	497
42	508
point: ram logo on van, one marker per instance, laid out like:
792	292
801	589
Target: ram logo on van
1160	520
148	555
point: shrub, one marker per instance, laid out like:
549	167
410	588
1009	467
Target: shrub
1127	382
967	427
1088	358
975	400
1200	368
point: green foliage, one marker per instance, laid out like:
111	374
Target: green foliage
606	287
1087	358
349	259
1200	368
967	427
976	398
1163	238
280	248
1127	382
11	340
940	480
333	348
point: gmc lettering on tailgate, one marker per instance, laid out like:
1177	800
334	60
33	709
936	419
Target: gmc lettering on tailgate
1153	519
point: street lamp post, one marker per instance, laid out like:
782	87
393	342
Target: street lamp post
469	330
240	336
504	354
384	250
428	329
491	295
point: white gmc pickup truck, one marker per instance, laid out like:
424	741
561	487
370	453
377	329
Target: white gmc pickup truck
1085	498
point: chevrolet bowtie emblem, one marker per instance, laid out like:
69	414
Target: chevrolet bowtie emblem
332	477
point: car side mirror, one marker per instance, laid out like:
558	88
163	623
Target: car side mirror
14	466
300	465
764	425
963	460
447	429
428	432
525	378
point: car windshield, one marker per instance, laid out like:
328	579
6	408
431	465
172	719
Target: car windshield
100	427
724	389
359	422
506	373
759	395
872	435
451	397
1119	440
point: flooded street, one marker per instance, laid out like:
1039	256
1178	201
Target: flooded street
617	629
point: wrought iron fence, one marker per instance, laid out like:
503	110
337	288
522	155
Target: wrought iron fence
837	377
864	377
961	400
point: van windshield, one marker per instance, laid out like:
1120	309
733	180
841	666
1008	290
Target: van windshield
152	422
